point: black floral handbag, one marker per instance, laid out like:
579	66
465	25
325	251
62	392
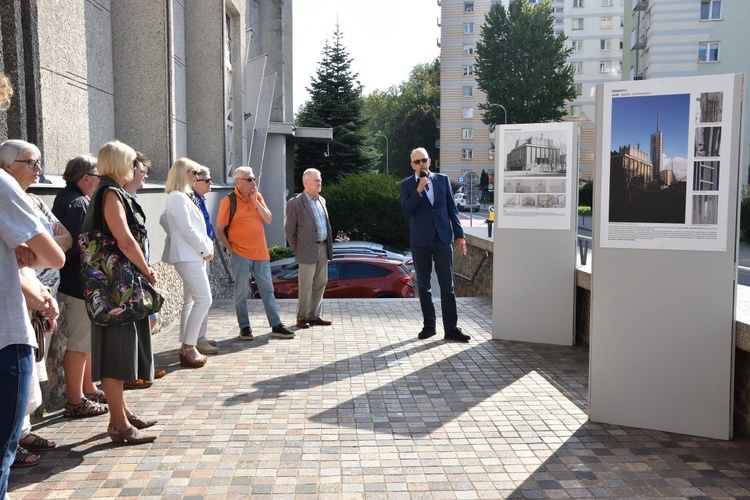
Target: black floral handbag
115	291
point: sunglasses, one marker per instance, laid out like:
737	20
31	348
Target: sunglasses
207	181
249	179
420	160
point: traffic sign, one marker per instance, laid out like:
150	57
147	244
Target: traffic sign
460	180
472	178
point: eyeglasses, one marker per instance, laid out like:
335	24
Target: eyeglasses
93	175
249	179
30	163
420	160
207	181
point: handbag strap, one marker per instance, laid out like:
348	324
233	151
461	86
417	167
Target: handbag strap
100	221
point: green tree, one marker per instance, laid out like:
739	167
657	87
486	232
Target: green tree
408	115
522	65
336	102
367	206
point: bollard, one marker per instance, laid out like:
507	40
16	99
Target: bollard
489	227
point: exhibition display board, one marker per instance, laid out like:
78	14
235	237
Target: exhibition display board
664	269
536	199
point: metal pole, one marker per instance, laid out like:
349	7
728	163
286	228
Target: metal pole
387	161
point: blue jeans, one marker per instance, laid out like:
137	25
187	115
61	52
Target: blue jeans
442	255
16	365
261	269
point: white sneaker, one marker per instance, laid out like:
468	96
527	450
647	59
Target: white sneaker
206	348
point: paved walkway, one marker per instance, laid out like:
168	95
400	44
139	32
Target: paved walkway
363	409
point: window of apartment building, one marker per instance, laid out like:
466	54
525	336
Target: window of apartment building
468	91
577	23
605	44
491	153
575	110
558	21
467	112
577	3
605	66
710	10
620	43
559	10
708	51
467	154
468	28
606	3
577	45
605	23
579	89
468	6
467	133
469	50
558	32
577	67
468	70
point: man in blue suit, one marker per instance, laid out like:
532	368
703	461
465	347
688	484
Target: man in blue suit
427	200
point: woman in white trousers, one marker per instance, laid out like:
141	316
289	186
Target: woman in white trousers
187	248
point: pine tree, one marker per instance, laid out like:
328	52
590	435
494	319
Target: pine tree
522	65
335	102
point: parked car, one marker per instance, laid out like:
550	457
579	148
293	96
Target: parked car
350	247
463	203
355	277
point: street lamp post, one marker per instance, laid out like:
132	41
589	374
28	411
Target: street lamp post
387	160
504	111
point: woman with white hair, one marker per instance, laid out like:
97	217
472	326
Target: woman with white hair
188	248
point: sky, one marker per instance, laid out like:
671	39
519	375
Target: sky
386	39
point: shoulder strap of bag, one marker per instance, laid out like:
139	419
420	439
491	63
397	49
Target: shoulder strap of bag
99	221
232	208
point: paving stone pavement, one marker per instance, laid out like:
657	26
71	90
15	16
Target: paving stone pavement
363	409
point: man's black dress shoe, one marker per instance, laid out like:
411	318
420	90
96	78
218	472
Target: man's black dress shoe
456	334
427	332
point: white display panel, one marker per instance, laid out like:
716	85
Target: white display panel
534	285
662	321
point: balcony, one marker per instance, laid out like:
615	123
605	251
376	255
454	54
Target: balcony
637	5
438	22
638	39
439	2
438	42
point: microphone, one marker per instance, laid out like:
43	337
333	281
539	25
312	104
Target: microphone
423	173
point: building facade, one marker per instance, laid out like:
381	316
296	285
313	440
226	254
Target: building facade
208	80
691	38
594	32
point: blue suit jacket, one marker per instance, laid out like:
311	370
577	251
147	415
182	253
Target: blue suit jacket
427	220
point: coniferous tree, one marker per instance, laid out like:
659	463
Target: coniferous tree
335	102
522	65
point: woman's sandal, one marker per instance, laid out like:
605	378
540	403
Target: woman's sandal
97	396
191	358
24	458
130	435
139	423
37	443
137	384
85	408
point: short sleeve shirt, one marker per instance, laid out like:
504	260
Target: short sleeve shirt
19	224
247	234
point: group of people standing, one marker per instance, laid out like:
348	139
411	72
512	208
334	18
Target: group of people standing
40	257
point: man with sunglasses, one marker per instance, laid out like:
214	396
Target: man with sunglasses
427	201
245	241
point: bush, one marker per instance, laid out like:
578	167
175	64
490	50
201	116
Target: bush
584	210
745	215
278	252
367	206
586	194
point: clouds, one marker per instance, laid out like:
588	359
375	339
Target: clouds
678	165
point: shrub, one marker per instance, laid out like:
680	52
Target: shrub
278	252
367	206
584	210
586	194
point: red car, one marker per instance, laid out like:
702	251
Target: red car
356	277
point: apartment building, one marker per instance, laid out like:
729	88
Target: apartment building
594	32
699	37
